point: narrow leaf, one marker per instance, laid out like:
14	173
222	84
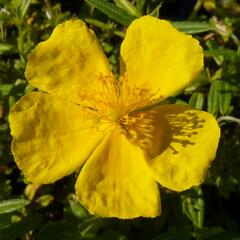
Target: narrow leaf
140	5
221	52
24	7
155	12
214	45
197	100
77	209
11	205
112	11
213	98
128	7
7	48
193	27
225	97
5	89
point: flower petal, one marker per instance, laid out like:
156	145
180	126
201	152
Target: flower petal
148	129
191	147
51	138
63	64
116	181
158	58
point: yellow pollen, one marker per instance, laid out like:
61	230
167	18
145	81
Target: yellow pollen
110	101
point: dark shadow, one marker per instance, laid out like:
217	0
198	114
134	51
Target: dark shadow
158	129
183	125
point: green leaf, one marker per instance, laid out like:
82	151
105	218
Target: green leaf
213	97
11	205
155	12
193	206
140	5
45	200
214	45
24	7
228	53
112	11
225	97
5	89
7	48
128	7
193	27
77	209
197	100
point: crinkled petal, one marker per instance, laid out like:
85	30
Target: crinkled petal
51	138
189	149
116	181
68	62
159	59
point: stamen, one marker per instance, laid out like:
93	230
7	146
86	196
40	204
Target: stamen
102	98
134	98
110	102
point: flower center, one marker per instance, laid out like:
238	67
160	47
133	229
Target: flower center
111	101
114	115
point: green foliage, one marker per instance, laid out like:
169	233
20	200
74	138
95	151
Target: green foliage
211	211
7	206
193	27
114	12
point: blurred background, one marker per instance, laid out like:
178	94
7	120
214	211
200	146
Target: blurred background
48	212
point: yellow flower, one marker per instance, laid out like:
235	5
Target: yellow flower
113	129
